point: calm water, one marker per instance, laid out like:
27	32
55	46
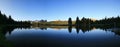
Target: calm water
63	37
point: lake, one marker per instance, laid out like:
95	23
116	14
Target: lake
63	37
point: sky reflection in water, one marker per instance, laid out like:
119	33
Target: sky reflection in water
62	37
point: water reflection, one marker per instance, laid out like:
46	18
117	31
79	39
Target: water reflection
114	30
84	29
8	29
3	41
77	29
70	29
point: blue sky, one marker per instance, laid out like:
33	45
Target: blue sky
59	9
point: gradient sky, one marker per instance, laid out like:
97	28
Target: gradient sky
59	9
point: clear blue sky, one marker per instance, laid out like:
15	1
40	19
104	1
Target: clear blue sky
59	9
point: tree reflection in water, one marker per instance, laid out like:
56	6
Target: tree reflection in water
84	29
8	29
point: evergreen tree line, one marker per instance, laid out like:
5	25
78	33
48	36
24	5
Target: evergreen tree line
4	20
109	21
114	21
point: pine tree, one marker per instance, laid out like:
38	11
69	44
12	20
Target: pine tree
70	22
77	21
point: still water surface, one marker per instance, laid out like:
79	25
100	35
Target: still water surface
65	37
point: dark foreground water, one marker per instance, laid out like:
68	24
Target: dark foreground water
65	37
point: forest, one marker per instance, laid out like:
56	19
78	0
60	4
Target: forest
4	20
113	21
106	22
